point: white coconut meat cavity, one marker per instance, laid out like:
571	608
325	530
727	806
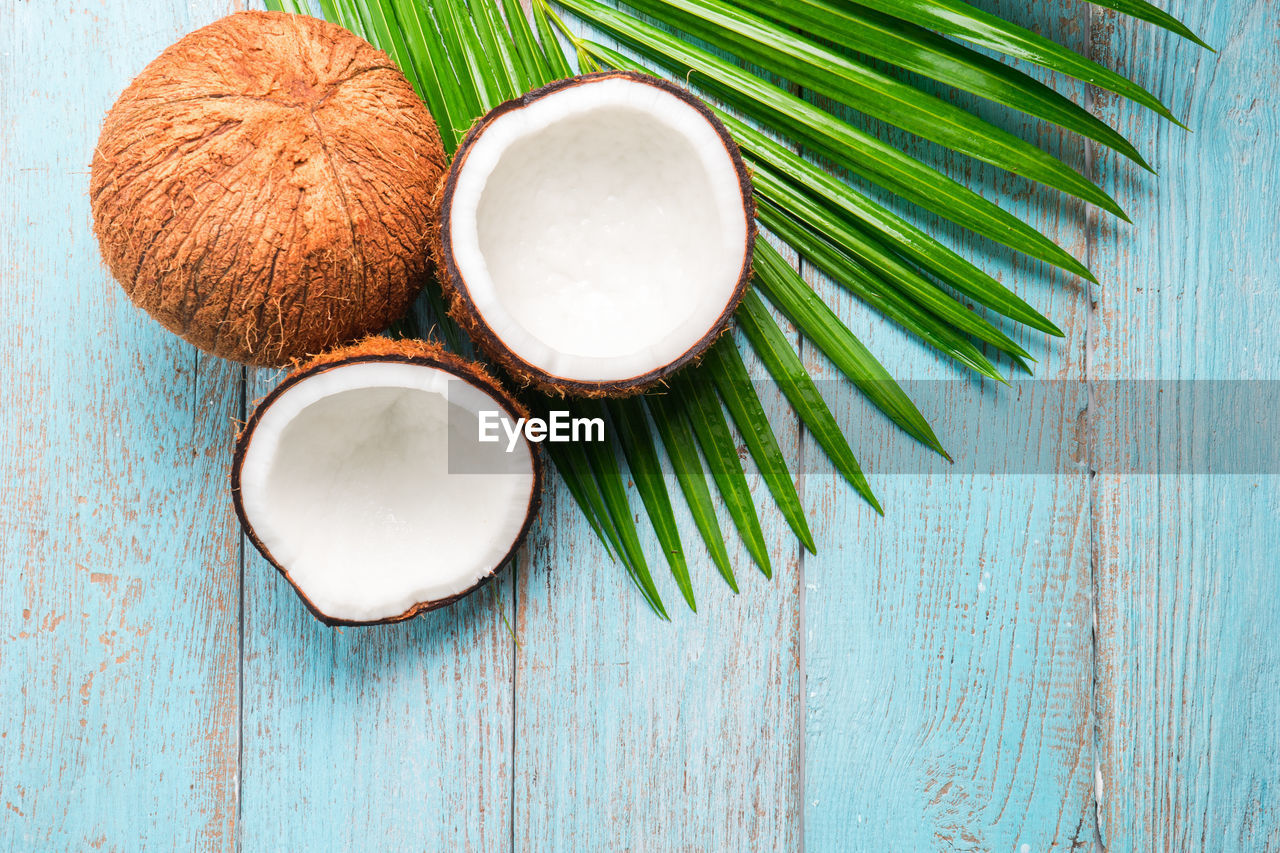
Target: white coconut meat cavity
597	233
363	480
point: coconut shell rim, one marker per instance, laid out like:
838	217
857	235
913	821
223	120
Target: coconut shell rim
464	310
441	360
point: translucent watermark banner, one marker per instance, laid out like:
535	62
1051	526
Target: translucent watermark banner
1072	427
1041	427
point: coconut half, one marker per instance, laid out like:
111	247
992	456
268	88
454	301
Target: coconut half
596	234
362	479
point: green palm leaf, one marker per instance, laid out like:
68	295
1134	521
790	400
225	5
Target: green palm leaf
926	53
960	20
642	458
775	351
856	210
501	54
712	429
532	64
825	72
889	268
724	363
817	322
465	56
823	133
871	290
1144	11
678	438
571	461
548	42
608	476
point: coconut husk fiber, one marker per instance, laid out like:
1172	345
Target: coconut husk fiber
263	188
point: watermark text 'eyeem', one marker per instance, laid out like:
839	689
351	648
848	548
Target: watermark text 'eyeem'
557	427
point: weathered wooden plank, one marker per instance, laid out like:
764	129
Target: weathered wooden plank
947	645
1188	611
118	567
637	734
390	737
946	700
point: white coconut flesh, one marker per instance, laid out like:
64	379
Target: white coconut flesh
601	230
369	486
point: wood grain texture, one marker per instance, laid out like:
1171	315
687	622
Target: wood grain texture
948	644
637	734
376	738
928	681
118	567
1187	565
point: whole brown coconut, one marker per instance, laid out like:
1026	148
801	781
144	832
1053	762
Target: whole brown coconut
264	188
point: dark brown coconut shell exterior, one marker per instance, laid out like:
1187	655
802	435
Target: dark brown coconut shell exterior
463	309
379	349
264	188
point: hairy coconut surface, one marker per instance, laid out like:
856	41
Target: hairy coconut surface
362	479
264	188
596	234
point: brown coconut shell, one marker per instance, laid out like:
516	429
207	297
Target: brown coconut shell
263	188
386	350
464	311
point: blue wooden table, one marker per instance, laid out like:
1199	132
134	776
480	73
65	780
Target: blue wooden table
1022	662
